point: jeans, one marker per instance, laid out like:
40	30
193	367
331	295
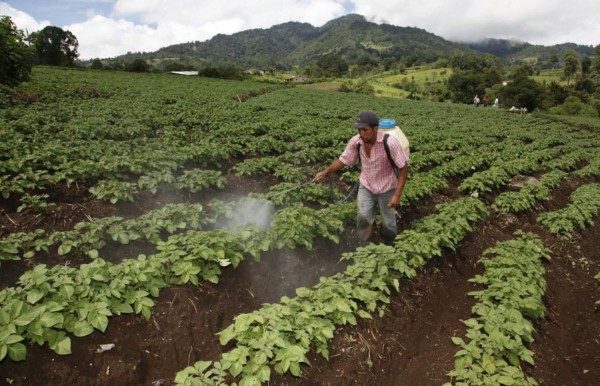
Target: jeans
367	206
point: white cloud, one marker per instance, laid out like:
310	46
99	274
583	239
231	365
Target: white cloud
536	21
167	22
255	14
147	25
22	20
103	37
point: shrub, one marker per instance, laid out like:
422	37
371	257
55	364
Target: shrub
574	106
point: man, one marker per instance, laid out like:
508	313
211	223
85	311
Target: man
379	185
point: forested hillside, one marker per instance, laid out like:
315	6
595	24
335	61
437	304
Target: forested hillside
352	37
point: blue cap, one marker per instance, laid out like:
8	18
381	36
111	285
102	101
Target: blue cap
387	123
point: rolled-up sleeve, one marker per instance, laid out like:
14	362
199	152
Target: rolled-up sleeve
350	154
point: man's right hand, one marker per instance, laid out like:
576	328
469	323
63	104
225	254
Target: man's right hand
320	175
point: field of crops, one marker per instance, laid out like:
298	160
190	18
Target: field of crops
149	234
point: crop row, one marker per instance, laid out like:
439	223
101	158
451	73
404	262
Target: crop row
585	204
529	194
48	303
502	324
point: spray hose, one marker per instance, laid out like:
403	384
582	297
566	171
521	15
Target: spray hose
343	200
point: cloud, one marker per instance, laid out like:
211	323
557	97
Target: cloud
101	37
253	14
147	25
536	21
161	23
165	22
21	19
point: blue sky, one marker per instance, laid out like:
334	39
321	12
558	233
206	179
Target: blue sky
106	28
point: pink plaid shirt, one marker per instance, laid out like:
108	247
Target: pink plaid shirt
376	172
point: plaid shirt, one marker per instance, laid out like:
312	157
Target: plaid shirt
376	172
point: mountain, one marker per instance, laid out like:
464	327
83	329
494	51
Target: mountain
513	51
293	43
351	36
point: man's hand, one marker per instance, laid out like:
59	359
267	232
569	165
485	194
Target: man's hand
334	167
320	175
394	201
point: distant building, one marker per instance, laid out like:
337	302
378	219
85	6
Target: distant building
298	79
506	82
184	72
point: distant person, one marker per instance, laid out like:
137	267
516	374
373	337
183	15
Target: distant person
496	103
486	101
476	100
379	184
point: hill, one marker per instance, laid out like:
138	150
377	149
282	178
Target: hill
513	51
290	44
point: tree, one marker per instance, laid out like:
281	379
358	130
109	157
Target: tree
554	60
586	65
332	65
138	65
523	92
464	85
97	64
225	72
55	47
596	65
16	58
571	65
556	94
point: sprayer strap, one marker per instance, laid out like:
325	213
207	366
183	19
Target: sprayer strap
387	151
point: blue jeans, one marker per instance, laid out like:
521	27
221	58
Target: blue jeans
367	206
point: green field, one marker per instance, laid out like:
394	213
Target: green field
117	188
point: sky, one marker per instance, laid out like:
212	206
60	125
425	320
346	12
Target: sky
107	28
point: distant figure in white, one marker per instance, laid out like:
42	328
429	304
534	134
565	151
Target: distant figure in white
476	100
496	103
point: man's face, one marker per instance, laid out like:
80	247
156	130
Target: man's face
368	134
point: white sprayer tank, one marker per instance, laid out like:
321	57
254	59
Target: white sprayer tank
388	126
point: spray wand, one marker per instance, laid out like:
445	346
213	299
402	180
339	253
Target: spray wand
293	188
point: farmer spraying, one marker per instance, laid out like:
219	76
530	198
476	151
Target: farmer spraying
382	176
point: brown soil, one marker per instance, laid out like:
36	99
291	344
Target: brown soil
409	345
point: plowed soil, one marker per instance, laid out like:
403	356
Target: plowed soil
408	345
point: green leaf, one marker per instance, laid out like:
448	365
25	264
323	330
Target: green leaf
3	351
505	380
64	249
226	335
63	346
100	322
457	341
82	328
93	253
13	339
51	319
17	352
24	319
123	238
34	295
264	374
